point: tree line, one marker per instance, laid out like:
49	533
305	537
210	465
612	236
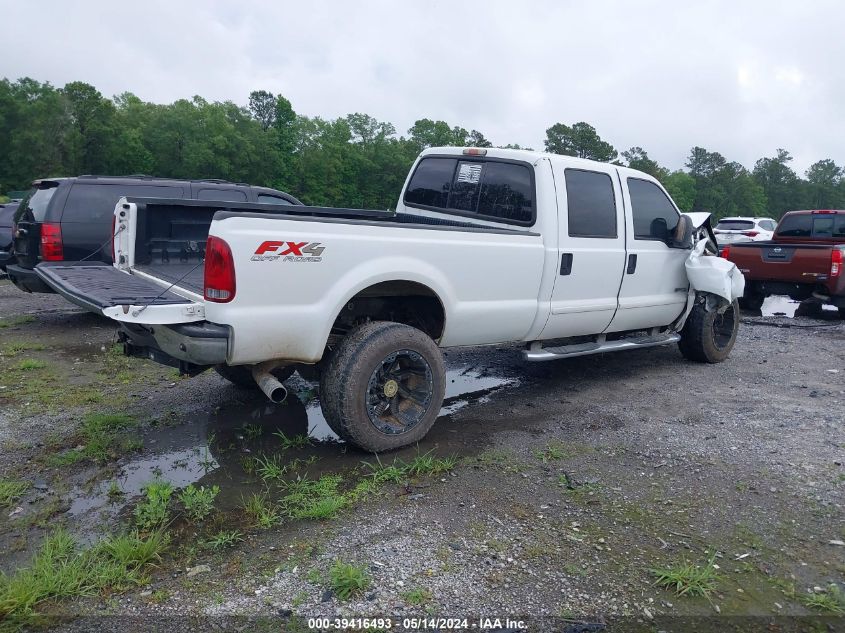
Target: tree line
353	161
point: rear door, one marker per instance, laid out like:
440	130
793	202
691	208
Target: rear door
591	251
655	286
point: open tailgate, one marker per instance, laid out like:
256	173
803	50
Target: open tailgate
120	295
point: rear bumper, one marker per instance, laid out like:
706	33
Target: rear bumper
191	347
26	279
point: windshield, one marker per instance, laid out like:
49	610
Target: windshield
734	225
33	207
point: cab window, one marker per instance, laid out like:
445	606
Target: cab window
654	215
591	203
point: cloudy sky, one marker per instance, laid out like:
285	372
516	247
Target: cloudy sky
741	78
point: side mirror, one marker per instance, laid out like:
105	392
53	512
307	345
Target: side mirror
681	237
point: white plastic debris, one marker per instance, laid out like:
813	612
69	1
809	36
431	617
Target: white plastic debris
715	275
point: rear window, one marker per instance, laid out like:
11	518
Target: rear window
34	206
263	197
735	225
488	189
88	202
228	195
812	226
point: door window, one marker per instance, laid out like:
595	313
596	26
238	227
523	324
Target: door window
654	215
591	203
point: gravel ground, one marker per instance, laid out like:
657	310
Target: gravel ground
575	478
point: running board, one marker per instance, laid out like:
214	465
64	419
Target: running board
536	352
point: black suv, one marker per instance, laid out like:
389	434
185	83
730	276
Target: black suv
68	219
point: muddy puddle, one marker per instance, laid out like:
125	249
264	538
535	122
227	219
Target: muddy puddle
220	448
782	306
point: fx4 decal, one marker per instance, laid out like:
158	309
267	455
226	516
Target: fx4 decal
271	251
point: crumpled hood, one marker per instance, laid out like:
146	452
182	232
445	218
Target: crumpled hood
707	273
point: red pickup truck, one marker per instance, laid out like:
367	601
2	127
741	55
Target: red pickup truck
804	259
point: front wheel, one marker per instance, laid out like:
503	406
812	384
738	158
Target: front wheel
383	386
709	335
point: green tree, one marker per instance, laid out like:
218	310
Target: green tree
779	182
637	158
681	186
93	126
581	140
262	105
824	185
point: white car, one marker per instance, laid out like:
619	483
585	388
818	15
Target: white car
565	255
740	229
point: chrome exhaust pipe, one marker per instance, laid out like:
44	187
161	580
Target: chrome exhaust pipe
268	383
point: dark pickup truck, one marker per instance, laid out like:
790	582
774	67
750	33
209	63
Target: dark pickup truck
804	259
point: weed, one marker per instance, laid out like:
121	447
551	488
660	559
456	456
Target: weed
417	596
104	436
427	464
58	570
198	502
152	512
314	499
347	580
297	441
270	467
262	512
687	579
114	492
17	320
314	576
249	464
68	458
13	349
832	600
224	539
29	364
552	452
11	490
252	431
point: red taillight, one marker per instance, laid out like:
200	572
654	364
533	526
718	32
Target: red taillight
751	233
725	252
51	243
219	271
835	262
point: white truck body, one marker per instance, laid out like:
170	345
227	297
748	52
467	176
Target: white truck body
567	249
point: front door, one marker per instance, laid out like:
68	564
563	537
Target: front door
655	286
591	251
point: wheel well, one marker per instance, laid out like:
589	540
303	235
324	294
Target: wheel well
405	302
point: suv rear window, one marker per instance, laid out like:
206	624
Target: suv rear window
809	225
88	202
495	190
735	225
225	195
36	203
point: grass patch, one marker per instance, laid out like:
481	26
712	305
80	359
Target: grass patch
270	467
263	513
68	458
224	539
105	435
295	441
417	596
252	431
152	511
687	579
16	320
59	570
347	580
11	490
832	600
30	364
399	470
314	499
17	347
198	502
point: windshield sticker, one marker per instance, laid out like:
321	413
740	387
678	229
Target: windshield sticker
469	173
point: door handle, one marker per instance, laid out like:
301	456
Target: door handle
565	263
632	265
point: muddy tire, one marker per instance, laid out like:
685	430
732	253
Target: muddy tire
241	375
709	337
382	387
752	302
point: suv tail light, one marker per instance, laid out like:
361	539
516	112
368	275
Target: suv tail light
219	271
835	262
751	233
52	249
725	252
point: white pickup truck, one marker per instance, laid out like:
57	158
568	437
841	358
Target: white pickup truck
486	246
